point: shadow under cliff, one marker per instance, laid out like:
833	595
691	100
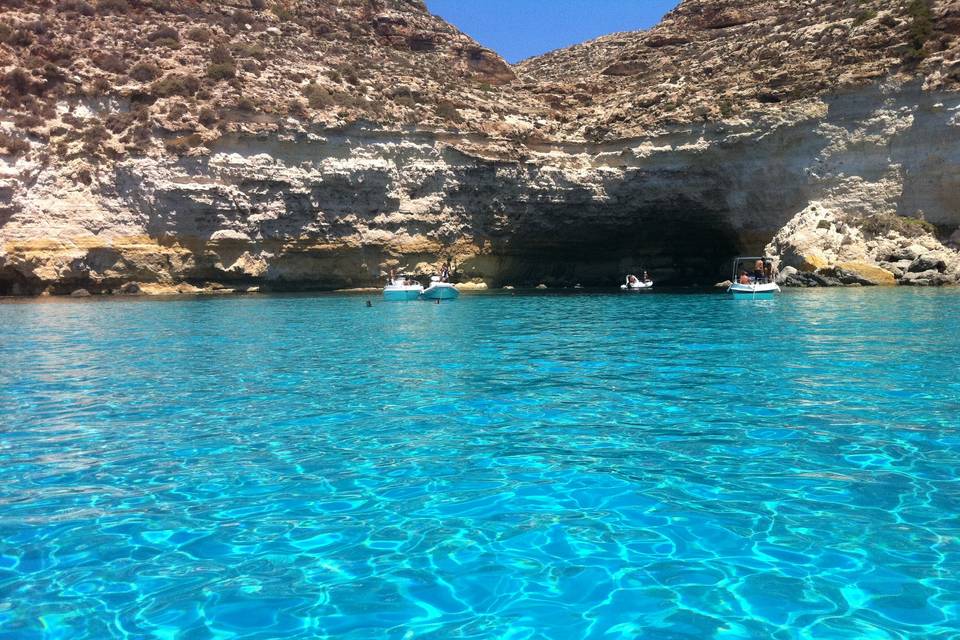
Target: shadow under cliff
678	243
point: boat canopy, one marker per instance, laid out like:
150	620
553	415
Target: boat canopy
751	260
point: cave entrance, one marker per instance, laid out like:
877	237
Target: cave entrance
678	246
13	283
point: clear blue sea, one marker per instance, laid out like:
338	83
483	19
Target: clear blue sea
664	466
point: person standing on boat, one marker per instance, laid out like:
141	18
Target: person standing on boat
445	272
758	272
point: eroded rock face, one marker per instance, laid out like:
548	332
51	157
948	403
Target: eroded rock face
672	150
822	247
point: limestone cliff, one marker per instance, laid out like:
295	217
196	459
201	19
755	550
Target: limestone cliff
319	144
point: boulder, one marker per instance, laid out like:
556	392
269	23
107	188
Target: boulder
80	293
930	278
786	274
928	262
805	279
869	274
131	289
830	278
723	285
896	268
911	252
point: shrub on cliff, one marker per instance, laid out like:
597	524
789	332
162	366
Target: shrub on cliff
25	121
111	63
183	144
283	14
119	122
221	71
113	6
863	16
165	36
920	30
18	83
93	138
241	18
80	7
318	97
208	116
164	33
12	145
221	55
145	71
199	34
880	225
254	50
16	37
174	84
245	104
448	111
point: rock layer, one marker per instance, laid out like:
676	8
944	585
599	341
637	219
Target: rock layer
661	150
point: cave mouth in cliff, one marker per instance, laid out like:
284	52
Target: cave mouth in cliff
677	246
12	283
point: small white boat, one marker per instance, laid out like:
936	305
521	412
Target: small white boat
634	283
758	285
439	290
401	289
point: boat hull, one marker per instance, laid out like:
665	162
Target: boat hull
642	286
440	291
753	291
404	294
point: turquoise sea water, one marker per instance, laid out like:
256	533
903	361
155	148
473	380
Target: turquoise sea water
528	466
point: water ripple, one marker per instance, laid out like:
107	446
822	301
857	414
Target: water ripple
530	466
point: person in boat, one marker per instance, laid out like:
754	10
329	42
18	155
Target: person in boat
768	272
445	272
391	276
744	278
758	272
646	277
632	280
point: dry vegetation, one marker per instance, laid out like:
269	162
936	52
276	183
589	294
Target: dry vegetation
115	77
99	77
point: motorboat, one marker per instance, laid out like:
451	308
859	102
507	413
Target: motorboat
402	288
753	278
439	290
634	283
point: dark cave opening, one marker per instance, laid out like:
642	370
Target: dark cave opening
13	283
678	246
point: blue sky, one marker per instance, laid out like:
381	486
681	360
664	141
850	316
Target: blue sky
518	29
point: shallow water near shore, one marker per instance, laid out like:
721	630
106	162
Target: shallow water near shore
502	466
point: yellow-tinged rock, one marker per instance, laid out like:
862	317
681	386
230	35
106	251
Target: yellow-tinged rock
471	286
873	273
812	262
